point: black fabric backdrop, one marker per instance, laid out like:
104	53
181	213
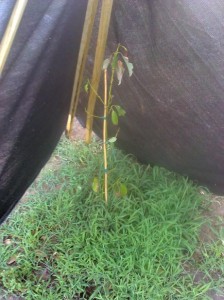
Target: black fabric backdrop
174	101
35	90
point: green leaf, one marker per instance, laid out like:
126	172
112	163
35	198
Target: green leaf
123	190
95	184
106	63
121	112
86	87
114	61
114	117
112	140
129	65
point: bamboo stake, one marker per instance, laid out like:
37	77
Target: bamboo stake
105	137
84	46
106	11
10	32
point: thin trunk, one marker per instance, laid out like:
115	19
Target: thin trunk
105	137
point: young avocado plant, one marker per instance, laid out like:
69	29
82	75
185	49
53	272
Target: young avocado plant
114	66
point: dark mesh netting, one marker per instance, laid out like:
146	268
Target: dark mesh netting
174	102
35	90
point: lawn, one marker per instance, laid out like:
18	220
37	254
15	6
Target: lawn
64	242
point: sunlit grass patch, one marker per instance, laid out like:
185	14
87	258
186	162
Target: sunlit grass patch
65	243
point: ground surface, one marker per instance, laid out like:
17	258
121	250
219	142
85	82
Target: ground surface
215	209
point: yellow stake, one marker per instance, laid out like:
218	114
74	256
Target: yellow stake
83	51
10	32
105	137
99	56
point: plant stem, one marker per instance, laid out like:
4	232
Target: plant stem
112	77
105	137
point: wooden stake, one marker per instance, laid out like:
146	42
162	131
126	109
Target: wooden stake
10	32
84	46
106	11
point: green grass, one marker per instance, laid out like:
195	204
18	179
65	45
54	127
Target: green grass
65	243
